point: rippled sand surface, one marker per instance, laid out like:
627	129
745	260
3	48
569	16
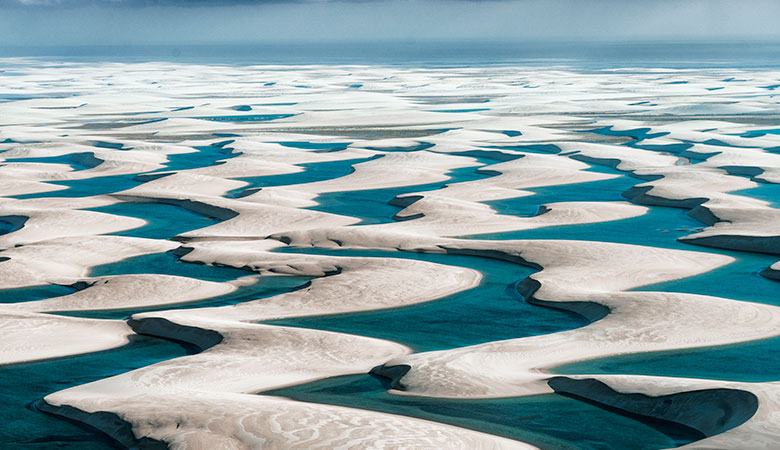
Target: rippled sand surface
299	257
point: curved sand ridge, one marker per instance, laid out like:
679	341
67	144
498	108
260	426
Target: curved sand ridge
523	171
347	284
235	421
577	276
241	218
31	337
455	209
242	357
46	219
201	400
129	292
27	336
390	170
67	260
737	222
98	162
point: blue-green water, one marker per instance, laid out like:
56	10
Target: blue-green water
548	421
739	280
263	287
246	118
163	220
24	427
33	293
760	133
492	311
769	192
167	264
372	206
321	146
595	191
659	227
8	227
62	159
638	134
755	361
312	172
204	156
87	187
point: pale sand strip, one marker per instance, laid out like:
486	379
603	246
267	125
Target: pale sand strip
586	277
241	218
68	260
47	219
381	105
343	284
202	420
129	292
449	217
26	337
577	275
195	401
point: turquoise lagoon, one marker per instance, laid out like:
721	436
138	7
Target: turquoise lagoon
491	311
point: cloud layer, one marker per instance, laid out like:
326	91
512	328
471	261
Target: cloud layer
45	22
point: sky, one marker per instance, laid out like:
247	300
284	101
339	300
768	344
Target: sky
179	22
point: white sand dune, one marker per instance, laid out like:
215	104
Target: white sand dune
692	139
527	171
589	278
69	259
241	218
26	337
47	219
690	186
446	216
619	157
391	170
243	357
129	291
235	421
344	284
